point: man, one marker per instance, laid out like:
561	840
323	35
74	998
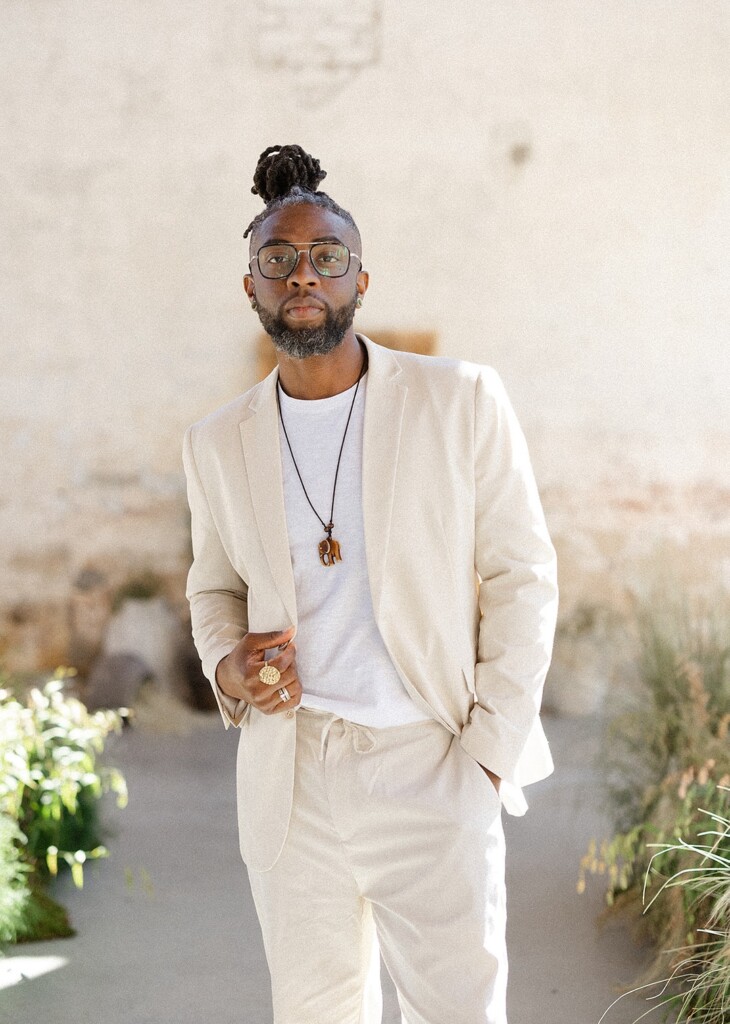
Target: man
373	599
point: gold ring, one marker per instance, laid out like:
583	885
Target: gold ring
269	674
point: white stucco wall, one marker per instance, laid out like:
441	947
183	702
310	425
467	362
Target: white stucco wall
580	152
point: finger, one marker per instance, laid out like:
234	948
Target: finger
282	663
295	695
284	660
263	695
291	681
264	641
276	704
285	705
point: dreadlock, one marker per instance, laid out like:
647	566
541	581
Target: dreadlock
286	175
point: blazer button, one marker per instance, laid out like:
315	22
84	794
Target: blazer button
289	714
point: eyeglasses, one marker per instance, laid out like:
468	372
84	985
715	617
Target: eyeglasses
329	259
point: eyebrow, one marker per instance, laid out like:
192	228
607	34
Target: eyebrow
288	241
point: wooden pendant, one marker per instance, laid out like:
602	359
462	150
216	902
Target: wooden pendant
329	551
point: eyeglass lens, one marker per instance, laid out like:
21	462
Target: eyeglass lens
329	259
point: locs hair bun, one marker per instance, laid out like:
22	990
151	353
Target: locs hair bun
286	175
282	168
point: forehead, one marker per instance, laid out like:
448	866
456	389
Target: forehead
304	222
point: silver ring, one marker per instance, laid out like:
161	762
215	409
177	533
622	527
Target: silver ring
284	694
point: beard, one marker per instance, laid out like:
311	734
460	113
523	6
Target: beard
301	342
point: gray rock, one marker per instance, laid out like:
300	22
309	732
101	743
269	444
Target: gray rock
150	629
114	681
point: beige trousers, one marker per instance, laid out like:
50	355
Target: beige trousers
395	846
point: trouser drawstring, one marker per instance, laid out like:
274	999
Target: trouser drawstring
363	739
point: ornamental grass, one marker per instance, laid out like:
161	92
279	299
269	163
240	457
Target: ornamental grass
667	763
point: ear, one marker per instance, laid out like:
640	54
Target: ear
362	282
248	286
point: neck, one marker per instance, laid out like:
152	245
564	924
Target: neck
322	376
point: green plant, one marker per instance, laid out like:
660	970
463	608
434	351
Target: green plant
143	587
50	786
667	752
14	891
667	765
587	620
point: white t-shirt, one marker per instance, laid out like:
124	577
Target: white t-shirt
342	661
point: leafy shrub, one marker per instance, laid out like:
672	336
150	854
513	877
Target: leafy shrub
50	785
143	587
26	912
14	892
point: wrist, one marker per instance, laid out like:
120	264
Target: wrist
222	675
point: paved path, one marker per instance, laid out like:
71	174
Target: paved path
167	932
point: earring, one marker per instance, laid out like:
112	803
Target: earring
254	304
359	301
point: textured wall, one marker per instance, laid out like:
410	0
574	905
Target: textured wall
577	154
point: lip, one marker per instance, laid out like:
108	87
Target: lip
299	309
303	304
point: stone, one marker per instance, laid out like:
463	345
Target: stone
114	681
150	629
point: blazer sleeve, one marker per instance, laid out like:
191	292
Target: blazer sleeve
217	594
518	596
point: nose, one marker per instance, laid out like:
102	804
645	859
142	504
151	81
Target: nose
303	272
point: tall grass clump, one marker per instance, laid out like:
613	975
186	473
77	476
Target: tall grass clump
697	986
667	770
51	782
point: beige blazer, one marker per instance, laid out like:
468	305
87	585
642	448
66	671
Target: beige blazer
461	567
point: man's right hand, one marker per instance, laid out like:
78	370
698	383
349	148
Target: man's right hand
238	673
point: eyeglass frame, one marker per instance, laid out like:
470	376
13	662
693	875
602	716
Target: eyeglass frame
308	249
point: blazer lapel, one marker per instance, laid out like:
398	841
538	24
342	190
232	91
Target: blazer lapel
260	439
384	406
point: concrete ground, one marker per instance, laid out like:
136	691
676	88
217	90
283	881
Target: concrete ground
167	933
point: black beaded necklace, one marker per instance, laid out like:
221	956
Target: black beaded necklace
329	548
